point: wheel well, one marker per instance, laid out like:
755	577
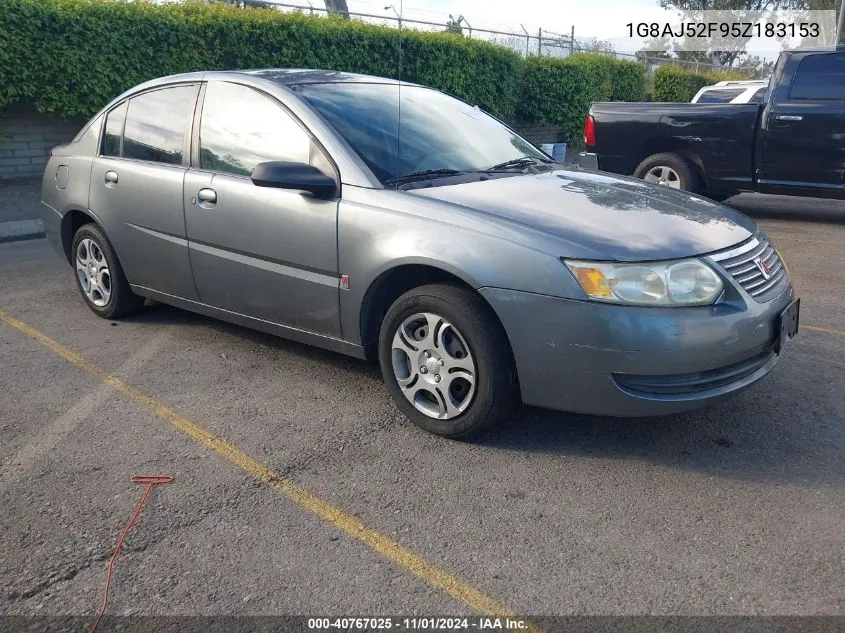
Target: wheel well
662	145
388	287
71	222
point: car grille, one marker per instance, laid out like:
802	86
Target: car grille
741	263
694	383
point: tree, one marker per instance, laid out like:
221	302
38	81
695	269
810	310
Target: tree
260	4
595	45
453	24
762	67
692	9
338	7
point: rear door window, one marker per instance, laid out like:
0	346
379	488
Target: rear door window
758	96
156	125
114	130
819	78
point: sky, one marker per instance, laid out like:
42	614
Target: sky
602	19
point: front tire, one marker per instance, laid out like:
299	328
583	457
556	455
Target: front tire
100	277
670	170
446	361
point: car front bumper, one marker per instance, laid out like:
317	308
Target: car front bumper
626	361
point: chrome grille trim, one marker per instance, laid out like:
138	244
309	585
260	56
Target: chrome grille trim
739	250
739	263
748	256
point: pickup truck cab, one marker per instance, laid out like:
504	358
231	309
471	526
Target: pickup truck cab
791	143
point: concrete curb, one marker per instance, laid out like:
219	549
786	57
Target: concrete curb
21	230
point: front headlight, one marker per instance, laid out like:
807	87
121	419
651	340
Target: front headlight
688	282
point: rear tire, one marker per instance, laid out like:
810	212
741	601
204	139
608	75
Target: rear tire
671	170
446	361
100	277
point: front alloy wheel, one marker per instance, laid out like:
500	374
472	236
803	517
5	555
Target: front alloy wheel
433	366
446	360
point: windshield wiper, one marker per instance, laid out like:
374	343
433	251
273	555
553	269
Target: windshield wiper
422	175
522	161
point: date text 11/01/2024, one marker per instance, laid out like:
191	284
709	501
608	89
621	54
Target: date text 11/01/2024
724	29
419	624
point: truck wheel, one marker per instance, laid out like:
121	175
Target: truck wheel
670	170
446	361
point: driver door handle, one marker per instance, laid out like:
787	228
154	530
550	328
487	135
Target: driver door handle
111	177
207	196
788	117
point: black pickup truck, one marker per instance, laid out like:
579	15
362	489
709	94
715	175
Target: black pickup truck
792	143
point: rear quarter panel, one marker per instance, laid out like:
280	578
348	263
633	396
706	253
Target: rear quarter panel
66	181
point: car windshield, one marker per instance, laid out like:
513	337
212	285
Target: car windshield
434	133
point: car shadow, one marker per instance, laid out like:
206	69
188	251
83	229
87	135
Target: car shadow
759	205
752	436
155	313
775	432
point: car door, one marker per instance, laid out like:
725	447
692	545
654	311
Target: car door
137	187
263	252
802	131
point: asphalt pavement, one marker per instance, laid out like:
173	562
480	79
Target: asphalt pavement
299	488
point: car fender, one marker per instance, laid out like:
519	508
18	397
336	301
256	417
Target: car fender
373	241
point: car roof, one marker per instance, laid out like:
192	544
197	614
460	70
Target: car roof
739	83
284	77
296	76
839	48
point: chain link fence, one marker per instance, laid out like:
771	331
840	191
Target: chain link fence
525	40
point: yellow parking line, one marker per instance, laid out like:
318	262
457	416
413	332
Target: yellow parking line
825	330
384	545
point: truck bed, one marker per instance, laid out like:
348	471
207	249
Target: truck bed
720	135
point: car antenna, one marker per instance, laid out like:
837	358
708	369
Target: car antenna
399	93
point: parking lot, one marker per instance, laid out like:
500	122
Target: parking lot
299	488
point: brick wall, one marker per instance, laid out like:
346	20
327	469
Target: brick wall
26	138
539	133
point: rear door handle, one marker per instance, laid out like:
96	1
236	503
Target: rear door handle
206	196
788	117
110	178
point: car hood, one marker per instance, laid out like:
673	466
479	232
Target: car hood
605	216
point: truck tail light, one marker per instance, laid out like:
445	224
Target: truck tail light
589	130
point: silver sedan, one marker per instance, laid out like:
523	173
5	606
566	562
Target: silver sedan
391	221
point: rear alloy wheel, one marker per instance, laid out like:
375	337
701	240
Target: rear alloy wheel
99	276
446	361
669	170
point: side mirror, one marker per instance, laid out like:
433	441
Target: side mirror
300	176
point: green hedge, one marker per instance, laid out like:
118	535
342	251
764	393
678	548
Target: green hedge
70	57
560	91
671	83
